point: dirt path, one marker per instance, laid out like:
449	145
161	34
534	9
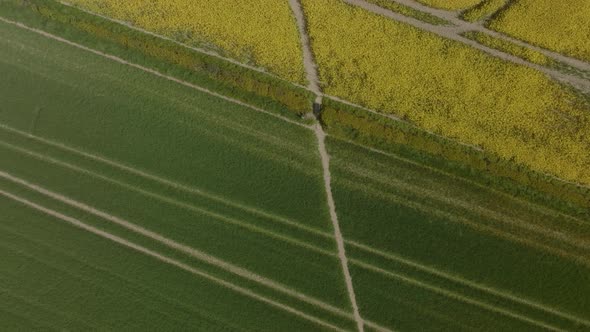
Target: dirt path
311	71
167	260
453	33
153	72
321	136
462	25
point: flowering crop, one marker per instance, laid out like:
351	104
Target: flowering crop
562	26
408	11
450	4
482	10
260	32
446	87
514	49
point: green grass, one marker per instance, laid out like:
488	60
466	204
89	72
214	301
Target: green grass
264	170
84	282
445	224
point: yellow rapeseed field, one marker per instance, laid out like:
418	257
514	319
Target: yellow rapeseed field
514	49
562	26
450	4
260	32
451	89
408	11
482	10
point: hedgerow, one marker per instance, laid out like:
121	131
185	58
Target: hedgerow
259	32
366	128
228	78
562	26
515	112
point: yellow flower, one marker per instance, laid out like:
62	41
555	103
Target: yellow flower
562	26
449	88
258	32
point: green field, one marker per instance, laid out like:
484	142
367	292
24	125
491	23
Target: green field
225	179
452	254
85	283
133	202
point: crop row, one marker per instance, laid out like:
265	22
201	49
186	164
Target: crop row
453	90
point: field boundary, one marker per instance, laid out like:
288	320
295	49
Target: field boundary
308	88
370	130
154	72
507	175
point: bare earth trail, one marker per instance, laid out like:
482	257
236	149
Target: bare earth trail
464	26
453	33
311	70
321	136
